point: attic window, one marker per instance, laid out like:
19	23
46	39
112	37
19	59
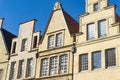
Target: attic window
96	6
14	47
24	45
35	42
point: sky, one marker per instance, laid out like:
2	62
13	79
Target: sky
18	11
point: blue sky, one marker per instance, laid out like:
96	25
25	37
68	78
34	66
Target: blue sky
17	11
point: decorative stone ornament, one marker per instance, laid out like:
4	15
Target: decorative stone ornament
57	6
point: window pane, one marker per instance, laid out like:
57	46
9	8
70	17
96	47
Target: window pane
96	60
30	67
35	42
24	45
1	74
83	62
90	31
13	70
44	67
63	63
14	47
50	42
53	65
21	69
110	57
59	40
102	28
96	7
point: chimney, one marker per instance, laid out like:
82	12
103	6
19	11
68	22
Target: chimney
1	22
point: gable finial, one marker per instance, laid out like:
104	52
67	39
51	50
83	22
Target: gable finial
57	6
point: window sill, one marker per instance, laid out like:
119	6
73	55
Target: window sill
56	75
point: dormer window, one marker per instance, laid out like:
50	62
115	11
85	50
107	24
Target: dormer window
96	6
24	45
14	47
50	42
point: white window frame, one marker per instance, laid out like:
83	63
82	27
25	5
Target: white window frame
24	45
13	70
59	40
51	41
30	67
63	63
44	67
90	31
53	65
102	28
21	68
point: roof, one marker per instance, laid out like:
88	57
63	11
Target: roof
117	18
73	25
8	38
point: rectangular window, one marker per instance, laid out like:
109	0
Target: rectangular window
24	45
59	40
1	71
14	47
96	60
102	28
63	63
53	65
44	67
21	69
13	70
83	62
29	67
50	42
96	7
35	42
110	57
90	31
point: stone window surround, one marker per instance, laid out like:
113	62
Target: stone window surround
58	65
103	57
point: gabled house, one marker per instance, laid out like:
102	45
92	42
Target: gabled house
23	55
55	57
5	45
98	48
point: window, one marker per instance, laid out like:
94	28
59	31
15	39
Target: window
102	28
21	69
24	45
13	70
110	57
14	47
96	7
63	63
35	42
59	40
96	60
90	31
53	65
1	71
29	67
44	67
83	62
50	42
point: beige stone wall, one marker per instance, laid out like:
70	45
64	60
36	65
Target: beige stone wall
111	40
26	31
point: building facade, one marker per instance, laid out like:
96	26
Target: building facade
98	47
55	57
22	63
5	44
